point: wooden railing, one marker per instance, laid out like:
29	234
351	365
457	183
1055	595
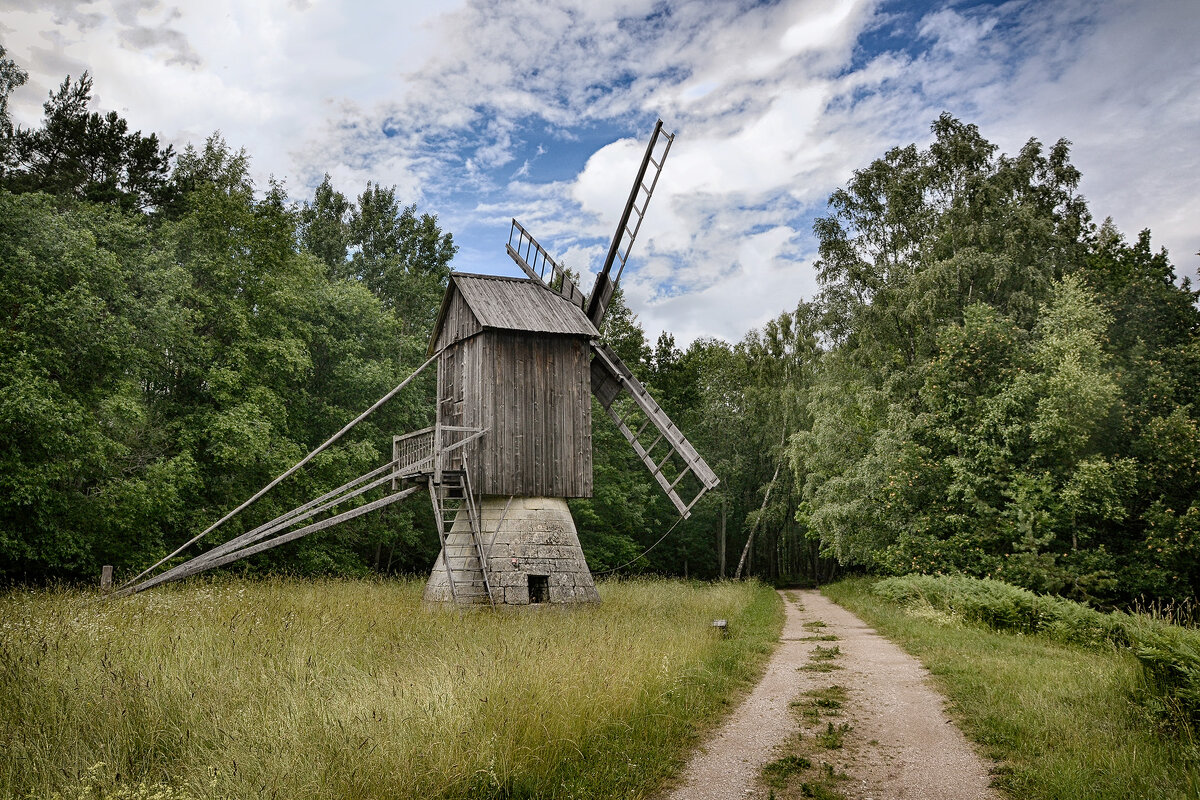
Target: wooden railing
431	450
413	452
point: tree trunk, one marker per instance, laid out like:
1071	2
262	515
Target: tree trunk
721	541
750	539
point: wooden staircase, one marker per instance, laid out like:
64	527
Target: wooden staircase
461	537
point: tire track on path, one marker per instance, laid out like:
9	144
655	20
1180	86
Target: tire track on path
902	744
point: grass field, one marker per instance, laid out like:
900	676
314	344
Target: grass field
1061	719
332	689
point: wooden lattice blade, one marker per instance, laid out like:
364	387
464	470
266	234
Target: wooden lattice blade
611	379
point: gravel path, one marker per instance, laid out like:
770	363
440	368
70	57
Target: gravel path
901	743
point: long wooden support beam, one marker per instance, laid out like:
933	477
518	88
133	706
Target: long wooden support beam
290	471
291	536
287	520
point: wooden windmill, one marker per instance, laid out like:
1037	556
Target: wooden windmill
518	361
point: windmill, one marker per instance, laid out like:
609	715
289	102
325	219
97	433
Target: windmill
518	362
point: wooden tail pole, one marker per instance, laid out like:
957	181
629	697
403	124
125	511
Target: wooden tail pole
293	517
228	558
275	482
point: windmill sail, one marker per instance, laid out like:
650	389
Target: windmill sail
535	262
627	231
671	466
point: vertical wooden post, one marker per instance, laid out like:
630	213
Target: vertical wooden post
437	438
721	541
106	578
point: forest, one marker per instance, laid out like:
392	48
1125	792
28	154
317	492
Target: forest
990	382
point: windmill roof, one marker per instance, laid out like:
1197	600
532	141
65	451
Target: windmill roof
519	304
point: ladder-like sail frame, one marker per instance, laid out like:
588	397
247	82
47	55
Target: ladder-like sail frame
622	242
611	379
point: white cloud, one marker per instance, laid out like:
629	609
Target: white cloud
266	74
955	33
775	105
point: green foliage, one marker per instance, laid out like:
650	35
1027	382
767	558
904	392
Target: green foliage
777	773
1170	659
1169	654
169	349
85	155
833	737
11	77
1007	390
86	472
1005	607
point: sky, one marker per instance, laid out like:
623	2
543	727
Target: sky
482	111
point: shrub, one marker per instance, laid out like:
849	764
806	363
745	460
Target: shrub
1169	654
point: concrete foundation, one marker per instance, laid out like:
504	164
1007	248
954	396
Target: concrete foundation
532	551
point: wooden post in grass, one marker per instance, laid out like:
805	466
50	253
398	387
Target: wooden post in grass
106	578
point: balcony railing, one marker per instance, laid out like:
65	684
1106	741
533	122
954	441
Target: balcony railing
431	450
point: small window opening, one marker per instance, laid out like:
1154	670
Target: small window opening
539	588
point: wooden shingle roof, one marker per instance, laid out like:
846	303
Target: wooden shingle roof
518	304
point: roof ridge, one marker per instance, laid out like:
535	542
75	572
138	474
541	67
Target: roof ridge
481	276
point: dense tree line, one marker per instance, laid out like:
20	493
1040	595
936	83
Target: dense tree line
988	382
174	338
1006	389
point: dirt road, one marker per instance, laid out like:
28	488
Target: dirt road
900	744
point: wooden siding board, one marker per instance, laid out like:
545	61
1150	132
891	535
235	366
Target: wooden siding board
532	394
457	322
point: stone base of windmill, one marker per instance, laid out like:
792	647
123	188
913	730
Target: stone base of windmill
533	556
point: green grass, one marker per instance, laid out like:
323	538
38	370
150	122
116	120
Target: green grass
816	703
825	653
331	689
1060	718
833	737
779	772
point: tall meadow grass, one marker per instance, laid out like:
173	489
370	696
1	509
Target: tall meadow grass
298	689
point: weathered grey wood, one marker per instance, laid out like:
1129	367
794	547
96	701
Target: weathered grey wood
260	547
607	371
530	393
290	471
521	262
106	578
604	287
299	514
476	524
517	304
292	536
439	518
499	522
265	531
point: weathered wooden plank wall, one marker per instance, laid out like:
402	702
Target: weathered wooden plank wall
459	322
533	394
